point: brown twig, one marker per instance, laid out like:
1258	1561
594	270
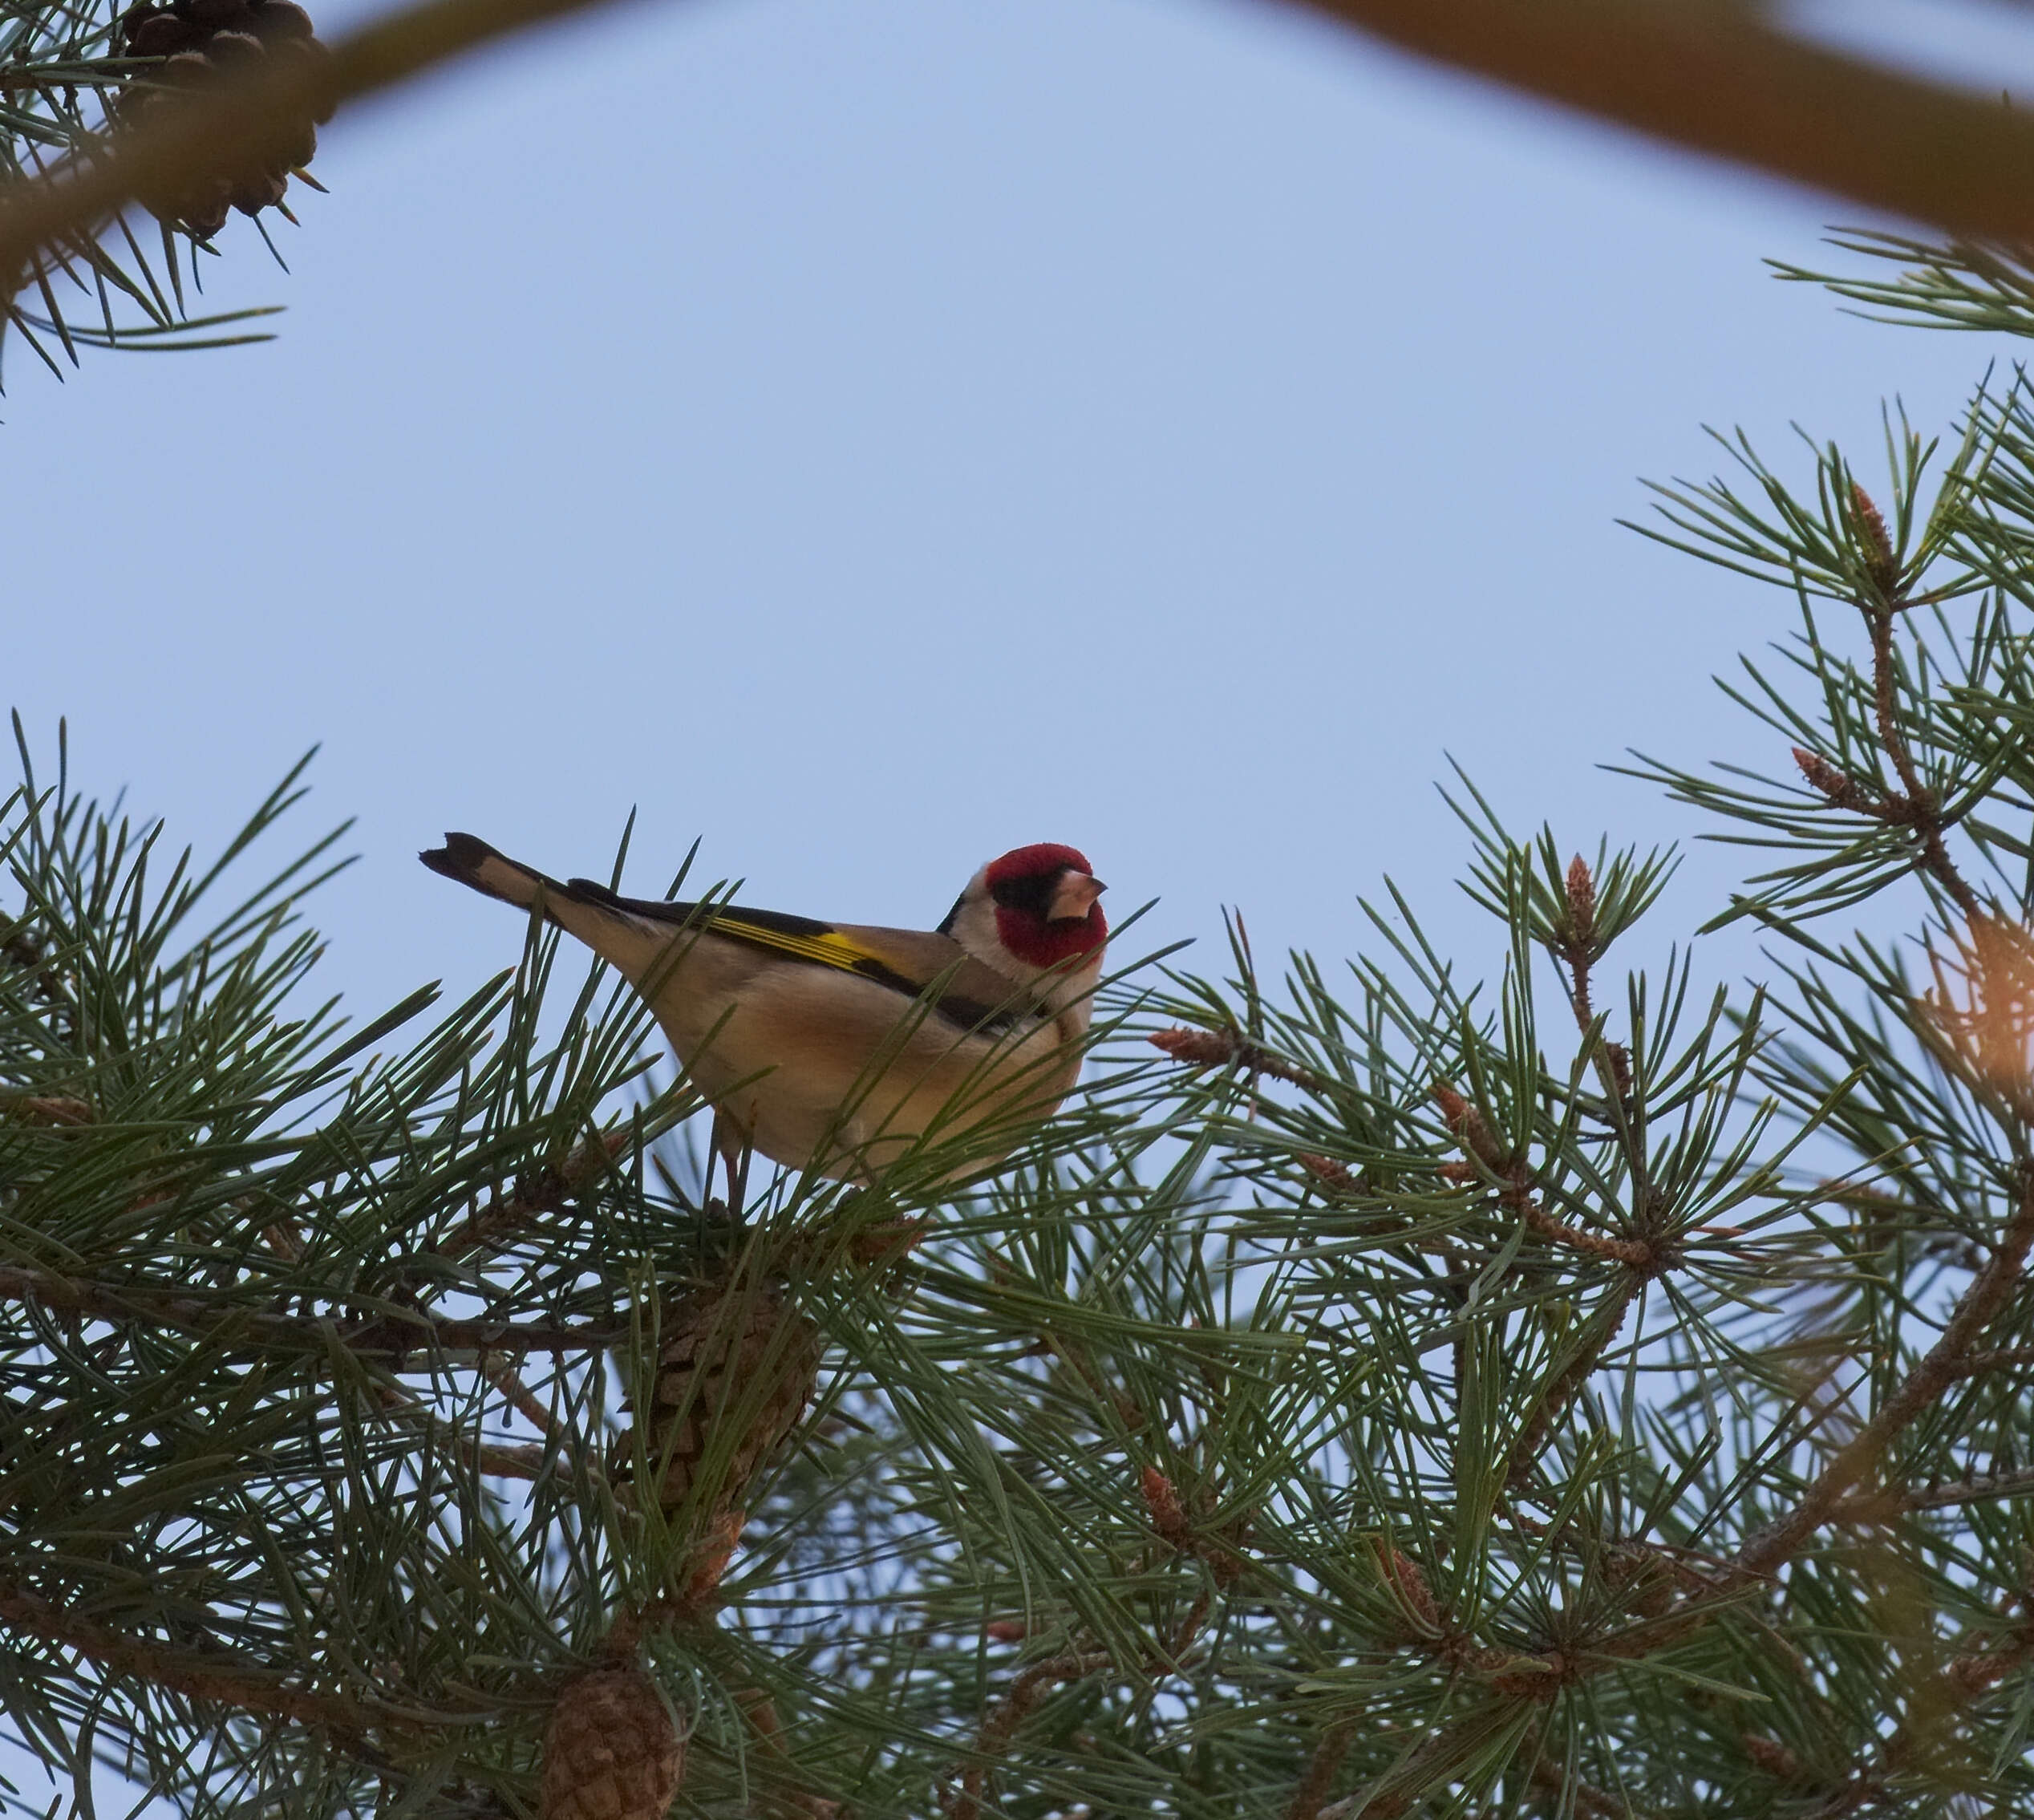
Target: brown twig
1322	1769
1586	1797
506	1379
1636	1253
160	1305
549	1191
760	1711
1526	1450
1721	80
1777	1542
489	1459
1999	1359
216	1676
60	1109
1918	806
1230	1048
963	1801
492	1462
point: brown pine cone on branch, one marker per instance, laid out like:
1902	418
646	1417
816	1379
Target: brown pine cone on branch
201	44
736	1369
611	1751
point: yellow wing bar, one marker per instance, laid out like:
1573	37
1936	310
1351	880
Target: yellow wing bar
829	949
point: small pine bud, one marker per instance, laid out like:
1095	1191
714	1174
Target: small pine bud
1409	1586
1469	1126
1840	788
1620	1068
611	1751
1198	1049
1163	1502
1643	1584
1006	1630
1582	902
1774	1758
1880	562
1331	1175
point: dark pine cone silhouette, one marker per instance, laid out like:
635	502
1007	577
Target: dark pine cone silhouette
610	1751
203	42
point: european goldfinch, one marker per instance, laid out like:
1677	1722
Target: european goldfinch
834	1046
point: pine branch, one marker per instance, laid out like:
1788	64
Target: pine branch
1634	1253
216	1676
1230	1048
384	1334
1916	805
548	1191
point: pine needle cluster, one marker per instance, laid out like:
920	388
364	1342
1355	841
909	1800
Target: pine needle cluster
1382	1393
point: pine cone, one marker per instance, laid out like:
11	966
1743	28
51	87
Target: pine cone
737	1356
611	1751
201	42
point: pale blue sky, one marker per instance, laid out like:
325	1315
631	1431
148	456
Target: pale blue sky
870	436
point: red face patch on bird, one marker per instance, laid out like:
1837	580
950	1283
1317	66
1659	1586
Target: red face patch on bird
1027	884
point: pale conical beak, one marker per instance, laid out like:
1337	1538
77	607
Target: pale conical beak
1074	897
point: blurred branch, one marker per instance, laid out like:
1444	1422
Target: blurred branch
259	110
1715	78
1776	1544
1932	1708
1878	1506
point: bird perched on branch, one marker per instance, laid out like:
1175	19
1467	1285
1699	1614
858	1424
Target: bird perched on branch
836	1047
